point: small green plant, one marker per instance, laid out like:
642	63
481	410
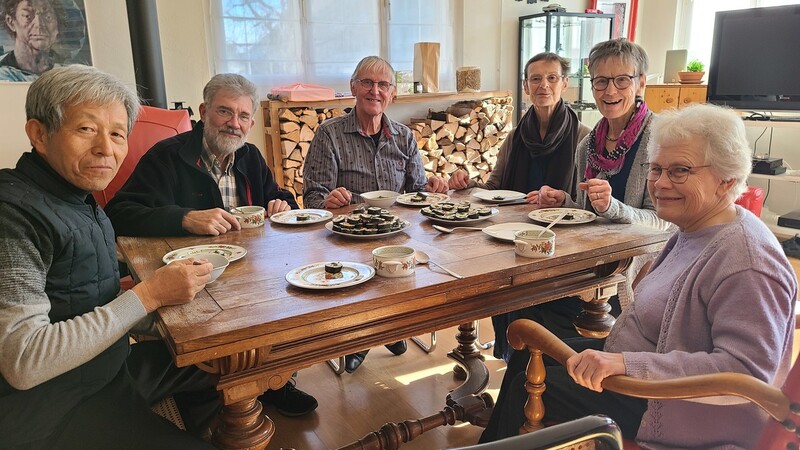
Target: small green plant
695	66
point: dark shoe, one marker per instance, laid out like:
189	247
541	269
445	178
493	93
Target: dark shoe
398	348
289	400
352	362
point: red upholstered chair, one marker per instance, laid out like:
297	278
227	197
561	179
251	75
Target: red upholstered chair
752	199
152	126
782	405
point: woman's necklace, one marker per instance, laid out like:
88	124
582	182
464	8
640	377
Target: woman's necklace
612	139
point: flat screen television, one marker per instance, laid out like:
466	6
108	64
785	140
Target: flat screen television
755	61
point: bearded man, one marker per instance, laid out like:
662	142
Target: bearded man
186	184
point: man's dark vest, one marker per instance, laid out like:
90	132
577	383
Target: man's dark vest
82	273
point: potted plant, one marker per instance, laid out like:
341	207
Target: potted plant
694	72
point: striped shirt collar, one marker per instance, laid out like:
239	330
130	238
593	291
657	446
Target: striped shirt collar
351	125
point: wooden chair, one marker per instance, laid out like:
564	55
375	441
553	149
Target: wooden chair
781	404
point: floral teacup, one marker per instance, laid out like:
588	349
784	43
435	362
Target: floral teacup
393	261
250	216
529	244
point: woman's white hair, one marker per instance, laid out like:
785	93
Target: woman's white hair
726	148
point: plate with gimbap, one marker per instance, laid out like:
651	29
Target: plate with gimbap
497	195
421	198
301	216
365	232
572	216
330	275
456	217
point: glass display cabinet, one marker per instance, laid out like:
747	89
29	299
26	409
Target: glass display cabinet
571	35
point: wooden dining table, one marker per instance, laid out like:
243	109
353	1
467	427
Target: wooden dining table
254	329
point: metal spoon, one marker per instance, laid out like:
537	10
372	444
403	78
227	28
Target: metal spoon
557	219
450	230
423	258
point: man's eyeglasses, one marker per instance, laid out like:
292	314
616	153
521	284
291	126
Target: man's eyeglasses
226	114
383	86
552	78
620	82
676	174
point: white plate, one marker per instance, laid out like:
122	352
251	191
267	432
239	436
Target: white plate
405	199
232	252
505	231
495	212
290	217
329	226
574	216
498	195
312	276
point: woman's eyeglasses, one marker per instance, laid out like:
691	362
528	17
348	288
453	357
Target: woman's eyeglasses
676	174
552	78
620	82
383	86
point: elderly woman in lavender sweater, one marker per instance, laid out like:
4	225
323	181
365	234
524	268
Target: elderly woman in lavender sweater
719	298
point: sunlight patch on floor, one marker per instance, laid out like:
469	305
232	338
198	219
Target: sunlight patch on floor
420	374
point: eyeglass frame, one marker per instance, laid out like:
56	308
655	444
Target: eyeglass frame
651	169
561	77
227	115
366	81
613	80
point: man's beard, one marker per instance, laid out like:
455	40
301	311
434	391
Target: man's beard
223	144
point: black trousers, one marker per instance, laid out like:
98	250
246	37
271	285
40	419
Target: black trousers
557	316
119	416
564	400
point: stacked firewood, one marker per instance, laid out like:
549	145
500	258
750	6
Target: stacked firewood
468	136
297	128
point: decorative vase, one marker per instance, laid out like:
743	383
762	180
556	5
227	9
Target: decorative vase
691	77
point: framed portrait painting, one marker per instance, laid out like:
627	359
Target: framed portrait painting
624	12
37	35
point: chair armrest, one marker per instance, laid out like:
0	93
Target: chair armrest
525	333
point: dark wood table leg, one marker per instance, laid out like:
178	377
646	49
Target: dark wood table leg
243	426
475	374
595	321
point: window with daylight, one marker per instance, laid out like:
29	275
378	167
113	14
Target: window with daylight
278	42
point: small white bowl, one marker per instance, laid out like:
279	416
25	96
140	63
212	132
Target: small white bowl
218	261
394	261
381	199
529	244
250	216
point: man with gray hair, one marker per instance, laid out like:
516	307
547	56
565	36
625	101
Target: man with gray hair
188	183
68	376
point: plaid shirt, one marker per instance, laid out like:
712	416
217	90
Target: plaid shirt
222	175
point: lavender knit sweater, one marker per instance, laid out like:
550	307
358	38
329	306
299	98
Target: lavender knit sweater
728	308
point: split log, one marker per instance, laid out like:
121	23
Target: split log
287	115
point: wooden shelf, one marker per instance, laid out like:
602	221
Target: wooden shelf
770	124
781	177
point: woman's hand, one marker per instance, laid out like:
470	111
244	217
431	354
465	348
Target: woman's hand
436	184
551	198
276	206
599	193
590	367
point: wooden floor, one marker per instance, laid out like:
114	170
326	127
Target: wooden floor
386	388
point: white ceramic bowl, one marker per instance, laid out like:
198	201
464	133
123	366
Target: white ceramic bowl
529	244
250	216
381	199
394	261
218	261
